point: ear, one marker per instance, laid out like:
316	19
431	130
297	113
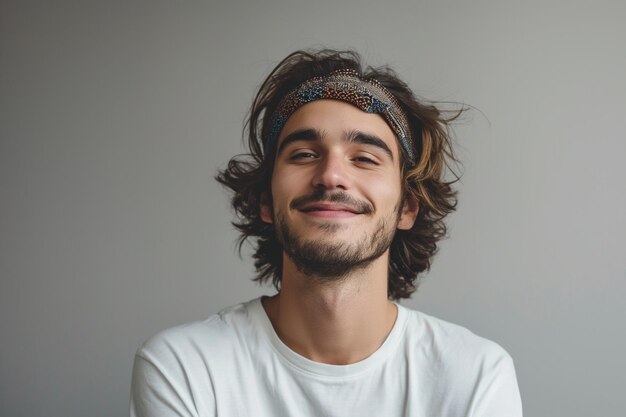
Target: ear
265	207
409	213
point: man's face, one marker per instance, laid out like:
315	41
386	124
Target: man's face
336	189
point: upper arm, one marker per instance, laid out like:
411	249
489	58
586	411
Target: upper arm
155	393
166	383
498	394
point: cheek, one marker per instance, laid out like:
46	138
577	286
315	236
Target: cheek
280	194
286	185
385	193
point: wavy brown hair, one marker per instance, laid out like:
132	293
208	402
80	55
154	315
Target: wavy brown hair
249	175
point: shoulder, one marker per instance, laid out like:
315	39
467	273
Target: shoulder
174	371
452	345
216	335
477	373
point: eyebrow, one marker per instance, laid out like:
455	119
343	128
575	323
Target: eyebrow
302	134
357	136
354	136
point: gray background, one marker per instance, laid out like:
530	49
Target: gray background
114	117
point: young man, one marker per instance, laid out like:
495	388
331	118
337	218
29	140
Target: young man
344	192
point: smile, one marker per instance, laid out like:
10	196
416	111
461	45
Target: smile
329	210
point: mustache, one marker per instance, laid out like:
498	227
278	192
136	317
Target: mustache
321	196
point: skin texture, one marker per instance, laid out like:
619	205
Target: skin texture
336	203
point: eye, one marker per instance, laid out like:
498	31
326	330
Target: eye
365	160
302	156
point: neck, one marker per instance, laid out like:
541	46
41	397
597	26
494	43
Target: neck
337	322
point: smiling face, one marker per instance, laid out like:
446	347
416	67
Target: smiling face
336	189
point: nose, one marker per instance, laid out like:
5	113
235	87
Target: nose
331	173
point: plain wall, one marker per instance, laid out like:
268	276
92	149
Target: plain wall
115	116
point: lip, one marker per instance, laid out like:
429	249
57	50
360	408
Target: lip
326	210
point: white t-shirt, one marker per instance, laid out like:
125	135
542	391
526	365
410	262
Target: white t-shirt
234	364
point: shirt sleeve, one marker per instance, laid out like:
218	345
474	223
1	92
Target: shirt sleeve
498	393
158	392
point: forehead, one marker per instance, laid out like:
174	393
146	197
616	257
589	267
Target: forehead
334	117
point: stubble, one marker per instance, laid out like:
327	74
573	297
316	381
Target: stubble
332	261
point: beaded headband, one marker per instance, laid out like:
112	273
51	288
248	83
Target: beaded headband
344	85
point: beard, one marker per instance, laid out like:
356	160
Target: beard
330	260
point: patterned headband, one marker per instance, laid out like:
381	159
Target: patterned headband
345	85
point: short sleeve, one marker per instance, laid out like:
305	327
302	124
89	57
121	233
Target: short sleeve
154	393
498	393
